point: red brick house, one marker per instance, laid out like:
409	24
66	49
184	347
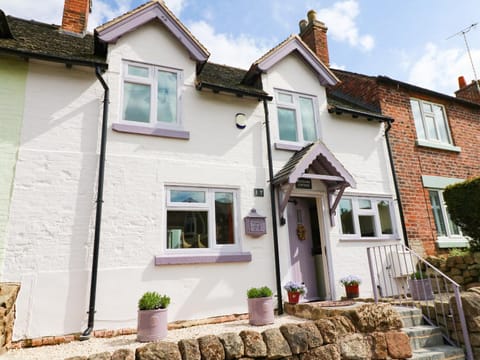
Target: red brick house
433	142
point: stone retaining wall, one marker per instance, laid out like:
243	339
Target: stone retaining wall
8	296
464	269
351	336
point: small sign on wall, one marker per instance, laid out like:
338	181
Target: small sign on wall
255	224
303	183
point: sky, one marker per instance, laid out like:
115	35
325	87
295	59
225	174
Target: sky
421	42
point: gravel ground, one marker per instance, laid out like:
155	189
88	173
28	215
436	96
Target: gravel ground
98	345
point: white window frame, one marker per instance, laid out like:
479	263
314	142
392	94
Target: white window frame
356	211
152	82
208	206
426	140
450	239
296	107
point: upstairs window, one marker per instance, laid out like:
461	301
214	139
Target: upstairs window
431	122
446	228
297	117
366	217
150	95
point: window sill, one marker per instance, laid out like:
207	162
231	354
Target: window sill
443	243
202	258
369	239
145	130
288	146
440	146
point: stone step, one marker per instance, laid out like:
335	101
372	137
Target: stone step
439	352
410	316
423	336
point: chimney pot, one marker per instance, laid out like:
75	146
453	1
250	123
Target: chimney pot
461	82
303	25
312	16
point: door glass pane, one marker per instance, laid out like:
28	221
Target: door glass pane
441	123
139	71
346	216
167	97
308	119
417	116
285	98
385	219
224	218
287	124
437	212
187	229
136	103
184	196
364	204
367	225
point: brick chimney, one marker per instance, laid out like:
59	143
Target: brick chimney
470	92
75	16
314	33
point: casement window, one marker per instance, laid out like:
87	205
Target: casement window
431	125
363	217
201	218
447	231
150	95
297	117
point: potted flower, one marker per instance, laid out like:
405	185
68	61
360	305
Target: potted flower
260	306
294	290
152	317
351	283
420	286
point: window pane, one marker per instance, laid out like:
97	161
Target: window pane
346	216
187	229
308	119
367	225
287	124
364	204
136	105
431	131
224	218
187	196
441	123
417	116
437	212
285	98
138	71
427	107
385	219
167	97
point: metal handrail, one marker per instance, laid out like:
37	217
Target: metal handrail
391	270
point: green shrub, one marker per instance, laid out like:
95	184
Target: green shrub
458	252
152	300
259	292
418	275
463	202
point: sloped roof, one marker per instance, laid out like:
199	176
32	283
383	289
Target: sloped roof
152	10
292	44
228	79
28	38
317	159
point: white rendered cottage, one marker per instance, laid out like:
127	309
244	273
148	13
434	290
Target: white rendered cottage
191	148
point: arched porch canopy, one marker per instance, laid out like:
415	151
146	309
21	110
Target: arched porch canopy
314	161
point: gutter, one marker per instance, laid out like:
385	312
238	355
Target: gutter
274	212
98	219
395	181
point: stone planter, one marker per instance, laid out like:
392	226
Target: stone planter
420	289
260	311
152	325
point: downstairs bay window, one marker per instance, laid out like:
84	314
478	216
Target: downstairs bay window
369	218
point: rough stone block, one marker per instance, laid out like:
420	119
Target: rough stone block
296	336
277	346
232	344
354	347
100	356
253	344
327	352
398	345
328	330
376	317
211	348
314	337
189	349
158	351
378	345
123	354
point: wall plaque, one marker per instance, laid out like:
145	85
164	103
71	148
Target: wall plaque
255	224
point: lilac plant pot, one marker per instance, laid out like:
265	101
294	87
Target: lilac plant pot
152	325
260	311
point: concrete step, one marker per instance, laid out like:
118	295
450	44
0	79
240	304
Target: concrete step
410	316
424	336
439	352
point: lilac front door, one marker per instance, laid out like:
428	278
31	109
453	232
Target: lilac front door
304	243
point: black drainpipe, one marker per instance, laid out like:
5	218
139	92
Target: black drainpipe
98	219
395	182
274	211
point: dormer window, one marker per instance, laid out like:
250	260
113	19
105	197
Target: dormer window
297	117
151	95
